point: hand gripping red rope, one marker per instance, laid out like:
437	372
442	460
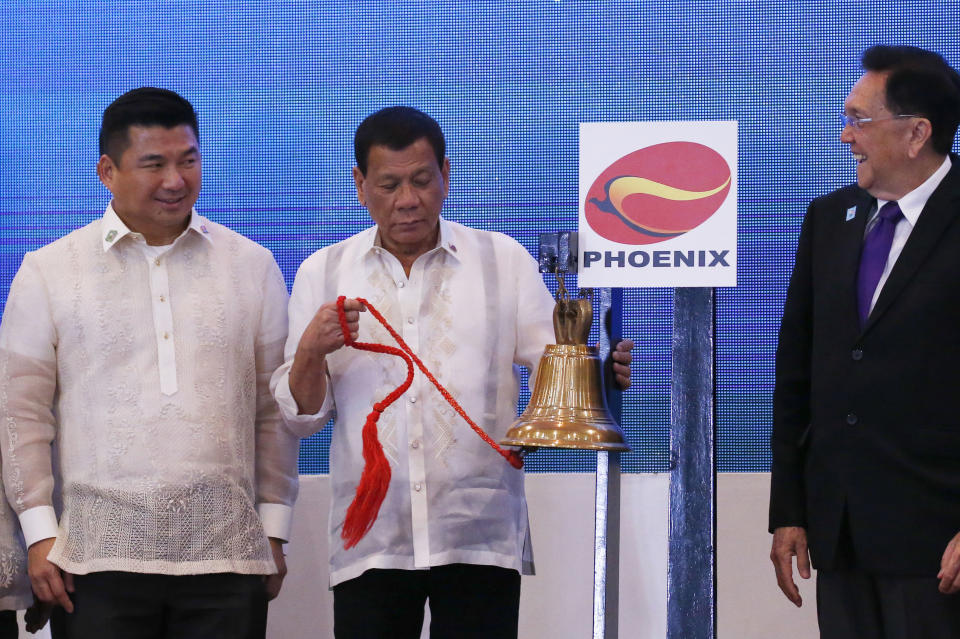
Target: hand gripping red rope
375	478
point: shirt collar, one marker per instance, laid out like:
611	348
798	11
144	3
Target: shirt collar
913	202
113	229
447	241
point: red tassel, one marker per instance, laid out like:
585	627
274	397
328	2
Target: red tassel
375	479
372	488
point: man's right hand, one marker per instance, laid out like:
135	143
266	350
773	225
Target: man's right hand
790	542
323	335
50	584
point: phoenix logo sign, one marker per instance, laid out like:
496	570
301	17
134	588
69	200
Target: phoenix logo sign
657	193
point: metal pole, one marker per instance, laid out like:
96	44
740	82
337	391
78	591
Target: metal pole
691	600
606	548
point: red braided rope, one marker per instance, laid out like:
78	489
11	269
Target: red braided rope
375	478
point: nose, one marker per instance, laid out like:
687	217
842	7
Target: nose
846	134
406	196
173	179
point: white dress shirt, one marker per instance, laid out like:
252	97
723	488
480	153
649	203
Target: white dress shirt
911	205
149	369
471	309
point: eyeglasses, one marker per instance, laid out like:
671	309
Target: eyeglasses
857	123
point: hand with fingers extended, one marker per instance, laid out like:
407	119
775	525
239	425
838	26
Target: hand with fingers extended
323	335
621	362
949	574
275	581
790	542
50	584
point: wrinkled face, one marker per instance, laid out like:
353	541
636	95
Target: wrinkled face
404	192
156	182
879	147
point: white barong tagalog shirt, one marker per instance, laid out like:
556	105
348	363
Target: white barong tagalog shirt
15	591
149	369
471	309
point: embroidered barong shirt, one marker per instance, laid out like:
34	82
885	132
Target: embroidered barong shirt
148	368
15	591
472	308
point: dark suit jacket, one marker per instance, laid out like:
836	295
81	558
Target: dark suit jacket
867	421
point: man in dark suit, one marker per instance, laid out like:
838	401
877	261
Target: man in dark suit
866	419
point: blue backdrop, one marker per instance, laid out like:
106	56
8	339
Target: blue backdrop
281	86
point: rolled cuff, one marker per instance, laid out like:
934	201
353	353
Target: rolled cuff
38	523
276	519
299	425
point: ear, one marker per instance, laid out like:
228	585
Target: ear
919	135
358	179
445	172
106	171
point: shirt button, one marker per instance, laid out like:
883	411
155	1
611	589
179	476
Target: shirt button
857	354
401	284
418	487
163	298
157	262
415	444
409	320
413	399
852	419
166	335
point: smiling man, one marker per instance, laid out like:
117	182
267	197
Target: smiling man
452	529
866	416
140	348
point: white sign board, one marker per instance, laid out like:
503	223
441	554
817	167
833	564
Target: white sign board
658	204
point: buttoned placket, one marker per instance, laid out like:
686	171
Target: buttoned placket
163	320
409	290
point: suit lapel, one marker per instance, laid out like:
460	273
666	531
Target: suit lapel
940	211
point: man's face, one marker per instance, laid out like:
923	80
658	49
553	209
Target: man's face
880	148
156	182
404	192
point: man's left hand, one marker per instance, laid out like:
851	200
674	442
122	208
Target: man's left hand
37	615
621	363
949	574
274	582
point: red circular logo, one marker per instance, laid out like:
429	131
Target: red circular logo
657	193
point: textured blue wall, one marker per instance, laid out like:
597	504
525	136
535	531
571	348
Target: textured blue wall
280	87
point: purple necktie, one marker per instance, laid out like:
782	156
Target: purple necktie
876	249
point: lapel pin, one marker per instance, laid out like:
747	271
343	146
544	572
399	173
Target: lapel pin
851	213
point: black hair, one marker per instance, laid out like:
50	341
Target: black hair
396	128
146	106
920	82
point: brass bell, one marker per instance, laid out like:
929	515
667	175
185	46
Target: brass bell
568	408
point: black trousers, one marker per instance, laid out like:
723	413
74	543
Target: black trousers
854	604
466	602
8	624
123	605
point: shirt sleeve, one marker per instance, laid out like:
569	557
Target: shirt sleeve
276	447
28	382
534	312
791	394
303	306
